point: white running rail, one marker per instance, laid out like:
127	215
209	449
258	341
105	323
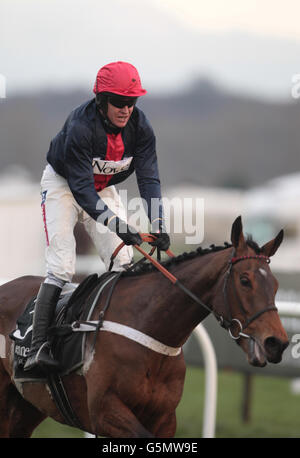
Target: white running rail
211	381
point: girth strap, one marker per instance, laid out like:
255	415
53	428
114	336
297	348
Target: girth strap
61	400
129	333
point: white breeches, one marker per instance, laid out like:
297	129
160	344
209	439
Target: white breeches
61	212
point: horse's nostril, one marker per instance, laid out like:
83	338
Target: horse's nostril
272	342
274	347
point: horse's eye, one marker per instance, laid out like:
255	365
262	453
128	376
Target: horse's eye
245	281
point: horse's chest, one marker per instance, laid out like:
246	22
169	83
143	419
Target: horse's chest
158	394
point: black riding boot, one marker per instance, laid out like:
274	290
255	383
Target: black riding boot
39	354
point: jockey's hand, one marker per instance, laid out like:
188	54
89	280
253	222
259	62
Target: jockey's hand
162	241
127	233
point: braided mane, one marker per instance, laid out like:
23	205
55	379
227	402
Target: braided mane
147	267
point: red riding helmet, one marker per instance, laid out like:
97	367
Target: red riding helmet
119	78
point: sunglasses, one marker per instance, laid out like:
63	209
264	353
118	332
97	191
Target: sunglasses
121	102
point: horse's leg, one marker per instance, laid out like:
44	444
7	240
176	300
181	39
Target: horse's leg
23	416
18	418
4	393
166	427
114	419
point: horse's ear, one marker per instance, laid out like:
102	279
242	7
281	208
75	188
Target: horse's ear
237	236
271	247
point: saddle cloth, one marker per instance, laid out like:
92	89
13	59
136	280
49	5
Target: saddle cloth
67	349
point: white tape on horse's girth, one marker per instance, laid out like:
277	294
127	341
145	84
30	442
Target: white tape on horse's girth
132	334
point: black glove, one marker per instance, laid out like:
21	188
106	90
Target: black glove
162	241
127	233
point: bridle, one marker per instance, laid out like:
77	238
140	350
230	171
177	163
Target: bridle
227	322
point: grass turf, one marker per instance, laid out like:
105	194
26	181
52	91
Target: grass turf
274	409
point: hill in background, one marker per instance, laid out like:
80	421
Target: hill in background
205	136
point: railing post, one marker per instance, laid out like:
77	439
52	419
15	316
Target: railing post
211	376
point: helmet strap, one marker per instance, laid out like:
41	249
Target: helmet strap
101	103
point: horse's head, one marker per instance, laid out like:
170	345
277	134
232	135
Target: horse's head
249	292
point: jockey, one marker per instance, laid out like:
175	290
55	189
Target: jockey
101	143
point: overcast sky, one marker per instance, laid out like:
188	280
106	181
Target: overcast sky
249	45
267	17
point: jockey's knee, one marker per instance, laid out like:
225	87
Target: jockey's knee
52	279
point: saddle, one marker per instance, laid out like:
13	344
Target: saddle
68	347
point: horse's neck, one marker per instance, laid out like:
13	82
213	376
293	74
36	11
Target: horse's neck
181	314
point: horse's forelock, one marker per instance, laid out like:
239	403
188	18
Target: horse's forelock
252	244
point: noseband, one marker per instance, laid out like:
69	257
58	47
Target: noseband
228	322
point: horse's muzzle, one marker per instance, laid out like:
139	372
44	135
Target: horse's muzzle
274	349
270	350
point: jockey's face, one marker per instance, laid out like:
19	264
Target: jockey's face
119	116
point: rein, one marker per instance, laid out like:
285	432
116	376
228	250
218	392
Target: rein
146	238
150	238
226	323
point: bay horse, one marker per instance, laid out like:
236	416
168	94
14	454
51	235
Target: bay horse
126	389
